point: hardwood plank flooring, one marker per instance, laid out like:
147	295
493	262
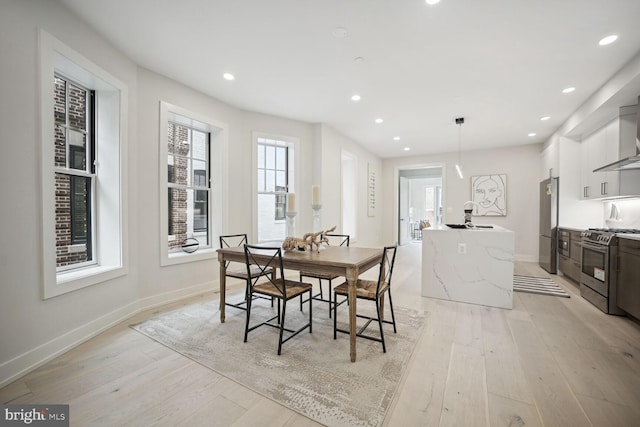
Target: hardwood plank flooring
547	362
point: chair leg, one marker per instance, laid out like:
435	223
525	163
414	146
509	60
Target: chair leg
301	294
246	324
384	347
335	316
310	309
284	311
330	299
279	311
393	317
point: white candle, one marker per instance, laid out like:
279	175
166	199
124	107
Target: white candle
291	202
315	199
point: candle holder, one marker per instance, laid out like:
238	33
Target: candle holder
291	223
316	217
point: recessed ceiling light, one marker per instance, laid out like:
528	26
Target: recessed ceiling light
608	40
432	2
531	134
407	148
379	120
545	118
339	32
228	76
568	89
396	138
355	97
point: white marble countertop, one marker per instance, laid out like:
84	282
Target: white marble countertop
494	228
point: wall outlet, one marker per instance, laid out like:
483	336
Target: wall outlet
462	248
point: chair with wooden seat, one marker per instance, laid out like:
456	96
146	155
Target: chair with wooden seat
371	290
334	240
238	270
271	286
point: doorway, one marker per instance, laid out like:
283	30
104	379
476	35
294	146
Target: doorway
420	201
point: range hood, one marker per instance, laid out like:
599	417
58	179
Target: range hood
630	162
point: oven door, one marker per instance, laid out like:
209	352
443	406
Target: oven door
595	267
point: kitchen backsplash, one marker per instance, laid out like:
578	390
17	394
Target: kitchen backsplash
622	213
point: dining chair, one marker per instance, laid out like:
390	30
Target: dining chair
371	290
237	270
334	240
265	258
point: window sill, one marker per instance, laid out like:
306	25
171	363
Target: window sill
183	257
69	281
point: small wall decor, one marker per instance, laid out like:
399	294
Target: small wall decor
489	195
371	190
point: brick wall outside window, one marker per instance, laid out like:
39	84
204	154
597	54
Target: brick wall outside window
63	197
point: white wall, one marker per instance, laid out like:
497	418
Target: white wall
521	164
332	143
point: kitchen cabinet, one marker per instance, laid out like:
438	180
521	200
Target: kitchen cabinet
608	144
569	253
628	272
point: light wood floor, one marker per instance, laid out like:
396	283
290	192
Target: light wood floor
550	361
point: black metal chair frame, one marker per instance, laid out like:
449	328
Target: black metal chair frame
384	277
273	287
242	275
320	296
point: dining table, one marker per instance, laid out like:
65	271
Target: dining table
347	261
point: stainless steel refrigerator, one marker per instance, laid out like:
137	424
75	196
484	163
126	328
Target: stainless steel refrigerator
549	225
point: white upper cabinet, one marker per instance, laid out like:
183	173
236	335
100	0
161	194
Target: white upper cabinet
605	146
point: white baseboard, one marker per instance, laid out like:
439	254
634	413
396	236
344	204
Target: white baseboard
38	356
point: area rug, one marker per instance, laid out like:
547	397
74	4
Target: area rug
314	375
538	285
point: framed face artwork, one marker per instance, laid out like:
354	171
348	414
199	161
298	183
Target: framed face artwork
489	194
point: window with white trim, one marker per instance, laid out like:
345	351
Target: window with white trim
274	180
191	148
83	128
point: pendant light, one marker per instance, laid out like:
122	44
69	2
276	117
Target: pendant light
459	122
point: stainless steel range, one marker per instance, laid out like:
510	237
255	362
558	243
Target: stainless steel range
599	267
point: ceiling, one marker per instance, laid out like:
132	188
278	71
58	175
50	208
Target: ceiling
500	64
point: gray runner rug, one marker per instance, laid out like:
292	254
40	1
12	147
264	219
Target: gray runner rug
314	375
538	285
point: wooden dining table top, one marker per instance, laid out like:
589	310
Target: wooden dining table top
340	257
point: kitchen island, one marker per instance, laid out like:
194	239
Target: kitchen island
468	265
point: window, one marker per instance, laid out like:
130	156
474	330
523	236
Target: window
191	149
274	168
188	186
74	143
83	114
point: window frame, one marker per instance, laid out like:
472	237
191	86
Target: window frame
218	134
110	219
280	196
191	181
88	243
293	157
